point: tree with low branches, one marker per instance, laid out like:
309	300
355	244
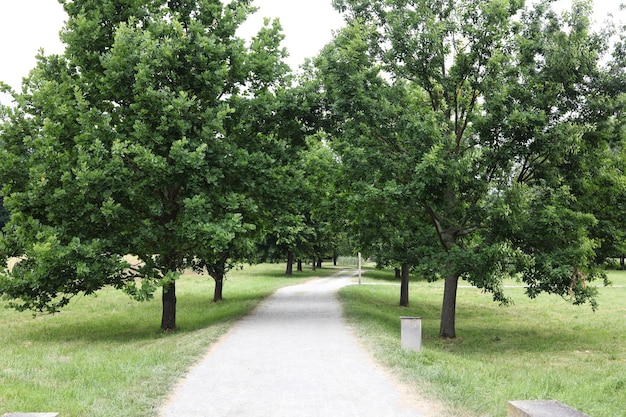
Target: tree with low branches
137	140
470	114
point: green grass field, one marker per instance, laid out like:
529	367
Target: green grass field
536	349
105	355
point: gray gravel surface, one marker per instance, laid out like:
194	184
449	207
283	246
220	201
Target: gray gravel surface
293	356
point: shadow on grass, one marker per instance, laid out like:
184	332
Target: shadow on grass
111	317
307	272
137	323
483	327
387	276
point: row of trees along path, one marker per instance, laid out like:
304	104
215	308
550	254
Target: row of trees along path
469	139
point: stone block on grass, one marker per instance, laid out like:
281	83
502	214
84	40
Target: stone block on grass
542	408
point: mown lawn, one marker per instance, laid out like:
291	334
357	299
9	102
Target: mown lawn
105	356
536	349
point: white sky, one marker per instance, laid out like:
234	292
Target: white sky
27	25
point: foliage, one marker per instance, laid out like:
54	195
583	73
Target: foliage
321	168
138	140
468	119
375	115
306	212
4	213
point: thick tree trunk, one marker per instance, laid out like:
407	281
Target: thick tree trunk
404	286
289	270
319	263
299	265
168	318
448	310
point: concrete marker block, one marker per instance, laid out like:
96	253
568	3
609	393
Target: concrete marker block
411	333
542	408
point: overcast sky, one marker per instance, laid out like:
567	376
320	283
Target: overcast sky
27	25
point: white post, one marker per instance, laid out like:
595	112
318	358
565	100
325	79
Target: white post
359	268
411	333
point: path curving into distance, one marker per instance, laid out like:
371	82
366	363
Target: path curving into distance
294	356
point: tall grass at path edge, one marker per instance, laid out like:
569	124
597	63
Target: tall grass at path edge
105	356
541	349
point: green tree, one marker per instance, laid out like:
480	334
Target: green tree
299	230
381	121
321	168
603	190
500	98
137	141
295	233
255	179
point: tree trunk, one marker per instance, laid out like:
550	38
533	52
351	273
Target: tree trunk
448	310
398	273
319	263
299	265
622	261
313	265
168	318
217	271
404	286
335	256
219	287
289	271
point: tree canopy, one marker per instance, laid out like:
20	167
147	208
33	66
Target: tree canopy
138	140
472	116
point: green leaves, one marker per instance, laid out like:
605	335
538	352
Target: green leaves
473	117
51	271
139	139
266	59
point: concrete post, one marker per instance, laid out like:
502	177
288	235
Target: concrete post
411	333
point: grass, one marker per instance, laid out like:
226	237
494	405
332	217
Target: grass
536	349
104	356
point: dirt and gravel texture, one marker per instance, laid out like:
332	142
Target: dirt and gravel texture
294	356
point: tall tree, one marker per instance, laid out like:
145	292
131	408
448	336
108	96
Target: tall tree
603	191
305	189
376	126
254	181
501	95
321	168
136	141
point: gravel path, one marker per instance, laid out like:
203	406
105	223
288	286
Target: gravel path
293	356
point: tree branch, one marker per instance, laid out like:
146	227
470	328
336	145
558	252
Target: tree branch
435	219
